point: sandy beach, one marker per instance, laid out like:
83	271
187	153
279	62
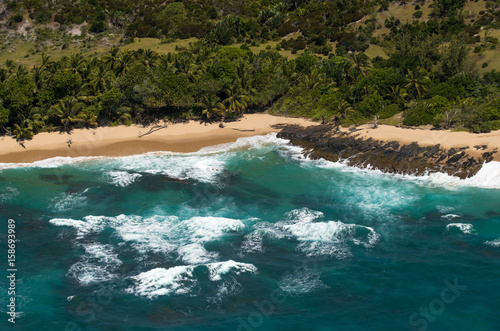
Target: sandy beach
192	136
124	140
426	137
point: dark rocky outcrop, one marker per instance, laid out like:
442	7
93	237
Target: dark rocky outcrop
325	141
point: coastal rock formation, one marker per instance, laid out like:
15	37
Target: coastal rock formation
325	141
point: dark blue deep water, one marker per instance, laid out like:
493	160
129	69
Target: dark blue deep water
248	236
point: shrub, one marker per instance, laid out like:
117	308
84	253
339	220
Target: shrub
16	18
97	27
43	17
389	111
418	14
424	113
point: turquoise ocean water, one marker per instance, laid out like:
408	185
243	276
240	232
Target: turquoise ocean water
248	236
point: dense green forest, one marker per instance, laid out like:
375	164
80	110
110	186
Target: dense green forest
426	78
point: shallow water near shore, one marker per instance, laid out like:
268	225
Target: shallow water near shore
249	236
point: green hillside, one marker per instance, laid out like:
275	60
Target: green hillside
67	64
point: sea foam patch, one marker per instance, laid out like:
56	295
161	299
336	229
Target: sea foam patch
8	194
463	227
122	178
161	234
203	168
331	238
53	162
218	269
180	280
69	201
96	265
493	243
301	281
315	237
160	281
244	143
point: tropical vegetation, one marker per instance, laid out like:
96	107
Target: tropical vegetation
423	77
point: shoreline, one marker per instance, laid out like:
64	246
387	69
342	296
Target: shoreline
427	137
192	136
398	150
124	140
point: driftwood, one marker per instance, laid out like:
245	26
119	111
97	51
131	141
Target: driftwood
153	129
244	130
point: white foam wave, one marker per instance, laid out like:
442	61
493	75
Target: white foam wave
205	229
53	162
316	238
254	240
303	215
450	217
88	225
218	269
196	254
194	167
160	281
487	177
329	238
96	265
122	178
180	280
189	166
161	234
8	194
301	281
494	243
464	227
245	143
69	201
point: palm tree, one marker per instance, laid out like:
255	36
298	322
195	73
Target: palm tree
359	66
149	58
34	118
311	81
236	101
68	110
45	61
397	95
343	107
111	59
100	79
211	105
88	117
76	63
417	81
124	63
22	132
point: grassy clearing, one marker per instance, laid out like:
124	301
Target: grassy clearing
394	120
404	13
23	51
156	45
374	50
